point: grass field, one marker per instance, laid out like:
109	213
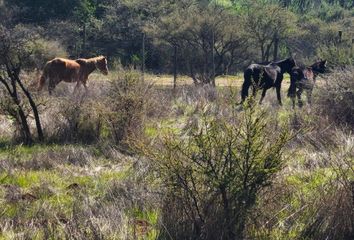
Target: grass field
100	190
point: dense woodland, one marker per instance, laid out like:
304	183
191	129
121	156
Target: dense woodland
130	157
192	34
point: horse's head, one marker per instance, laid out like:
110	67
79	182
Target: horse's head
101	65
319	66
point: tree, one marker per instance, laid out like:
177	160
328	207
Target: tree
41	11
14	54
267	25
201	32
83	14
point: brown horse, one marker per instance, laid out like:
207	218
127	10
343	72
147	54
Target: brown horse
61	69
304	78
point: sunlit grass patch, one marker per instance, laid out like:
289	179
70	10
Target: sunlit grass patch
144	223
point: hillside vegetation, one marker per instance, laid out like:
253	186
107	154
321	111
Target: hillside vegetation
161	147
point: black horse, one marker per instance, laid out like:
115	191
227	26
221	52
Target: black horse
304	78
266	76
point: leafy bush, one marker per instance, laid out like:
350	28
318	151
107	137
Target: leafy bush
43	51
78	120
212	174
126	104
336	97
338	56
313	198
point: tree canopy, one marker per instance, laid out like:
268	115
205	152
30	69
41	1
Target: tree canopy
227	34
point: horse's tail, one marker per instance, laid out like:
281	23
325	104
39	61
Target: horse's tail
294	75
247	76
43	78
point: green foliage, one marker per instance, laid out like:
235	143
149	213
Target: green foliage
336	97
66	195
126	105
44	50
339	53
115	29
267	23
40	11
315	195
84	11
197	30
81	121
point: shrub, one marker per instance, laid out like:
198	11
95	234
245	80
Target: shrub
336	97
314	197
44	50
78	120
333	211
212	174
126	105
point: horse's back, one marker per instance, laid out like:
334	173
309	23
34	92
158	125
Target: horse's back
64	63
63	69
272	72
254	67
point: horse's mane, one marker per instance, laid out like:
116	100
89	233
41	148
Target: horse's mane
94	59
97	58
281	61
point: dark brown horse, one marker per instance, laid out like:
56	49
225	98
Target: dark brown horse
304	78
61	69
266	76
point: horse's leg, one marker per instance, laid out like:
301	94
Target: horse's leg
298	93
244	92
278	89
86	89
84	82
263	95
51	85
78	83
277	84
293	98
41	82
256	79
246	84
309	96
292	89
254	91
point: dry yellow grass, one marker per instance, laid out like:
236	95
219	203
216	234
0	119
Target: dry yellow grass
221	81
167	80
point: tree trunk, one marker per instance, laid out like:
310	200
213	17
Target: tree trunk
276	47
263	53
143	58
213	59
34	109
24	126
175	70
230	235
84	41
25	130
